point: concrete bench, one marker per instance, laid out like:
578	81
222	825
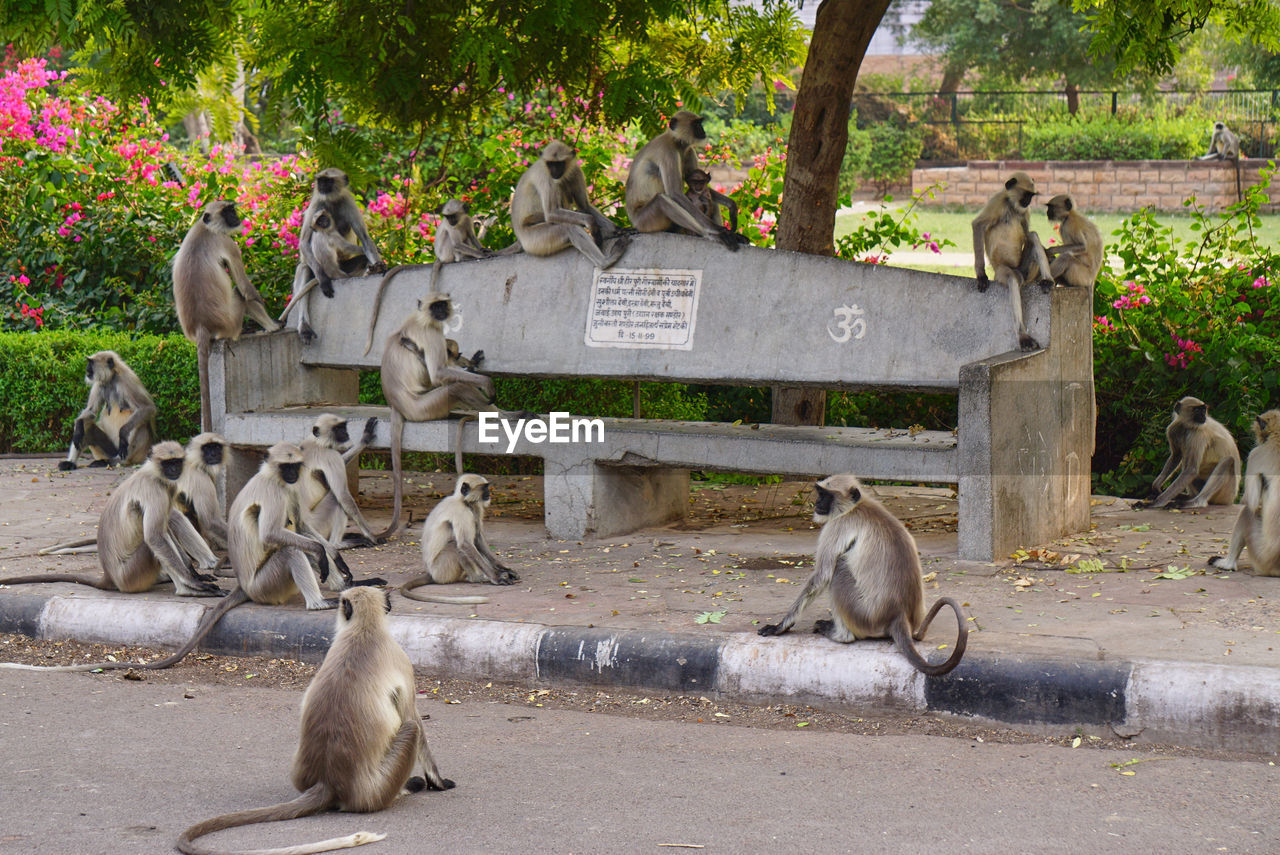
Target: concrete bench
681	309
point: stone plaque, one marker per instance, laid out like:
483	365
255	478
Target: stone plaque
643	308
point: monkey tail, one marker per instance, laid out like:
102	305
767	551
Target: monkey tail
407	591
313	801
72	547
457	448
397	437
103	584
906	645
235	598
296	301
377	301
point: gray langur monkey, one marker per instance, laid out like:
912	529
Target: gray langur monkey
360	734
197	499
655	183
211	290
421	385
868	559
1207	453
140	532
331	198
550	210
1258	525
327	502
1003	231
1224	145
118	422
269	544
1078	259
454	548
708	200
455	240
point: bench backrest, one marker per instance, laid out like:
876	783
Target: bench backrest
688	310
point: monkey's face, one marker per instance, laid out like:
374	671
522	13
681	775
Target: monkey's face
834	496
440	310
323	223
171	467
1058	208
1199	414
1267	425
330	181
686	127
340	435
557	168
230	218
212	453
100	368
88	371
289	472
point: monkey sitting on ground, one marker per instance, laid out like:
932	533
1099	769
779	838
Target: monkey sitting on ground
1078	259
869	561
360	733
655	183
1207	454
326	496
421	385
454	547
1258	525
455	240
1003	231
118	423
141	536
269	544
708	200
550	210
211	290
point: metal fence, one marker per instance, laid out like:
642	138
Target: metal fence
982	122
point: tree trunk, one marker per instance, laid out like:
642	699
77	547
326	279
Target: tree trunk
815	150
1073	98
951	78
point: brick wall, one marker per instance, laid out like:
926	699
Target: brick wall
1098	185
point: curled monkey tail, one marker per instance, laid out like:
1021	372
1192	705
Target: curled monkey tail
313	801
407	591
377	300
906	642
235	598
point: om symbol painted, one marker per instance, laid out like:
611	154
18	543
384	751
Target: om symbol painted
849	322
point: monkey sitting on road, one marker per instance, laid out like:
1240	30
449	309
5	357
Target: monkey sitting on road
869	561
211	290
360	734
454	547
708	200
1207	453
118	423
1078	259
550	210
655	183
1003	231
137	533
1258	525
326	496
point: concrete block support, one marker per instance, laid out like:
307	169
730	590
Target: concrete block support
592	499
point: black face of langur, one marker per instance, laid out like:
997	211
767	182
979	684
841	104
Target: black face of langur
440	310
338	432
171	467
1023	196
687	127
1196	414
330	181
212	453
224	220
465	491
1059	207
289	472
558	167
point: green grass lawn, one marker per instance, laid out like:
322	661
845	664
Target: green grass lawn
955	226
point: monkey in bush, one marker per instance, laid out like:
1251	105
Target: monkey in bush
118	423
1207	453
869	561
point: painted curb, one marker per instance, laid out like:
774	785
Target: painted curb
1236	707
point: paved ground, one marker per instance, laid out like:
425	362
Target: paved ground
746	550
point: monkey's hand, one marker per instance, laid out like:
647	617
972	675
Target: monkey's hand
729	239
358	541
1142	504
379	267
1220	562
771	629
324	566
98	464
1046	285
122	443
370	429
822	627
306	333
326	285
983	282
507	577
343	569
209	588
67	465
207	577
325	604
477	358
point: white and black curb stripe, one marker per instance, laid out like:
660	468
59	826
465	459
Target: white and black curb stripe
1235	707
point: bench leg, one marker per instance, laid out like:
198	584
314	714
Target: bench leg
588	499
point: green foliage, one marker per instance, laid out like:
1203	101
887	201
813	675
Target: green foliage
1157	138
1194	317
892	152
881	232
42	388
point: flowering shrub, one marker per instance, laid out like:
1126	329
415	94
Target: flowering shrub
1182	318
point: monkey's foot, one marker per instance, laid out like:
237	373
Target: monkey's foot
206	589
66	465
1142	505
380	267
324	604
983	283
1027	343
507	577
771	629
445	784
1046	285
415	784
823	627
99	464
306	333
729	239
